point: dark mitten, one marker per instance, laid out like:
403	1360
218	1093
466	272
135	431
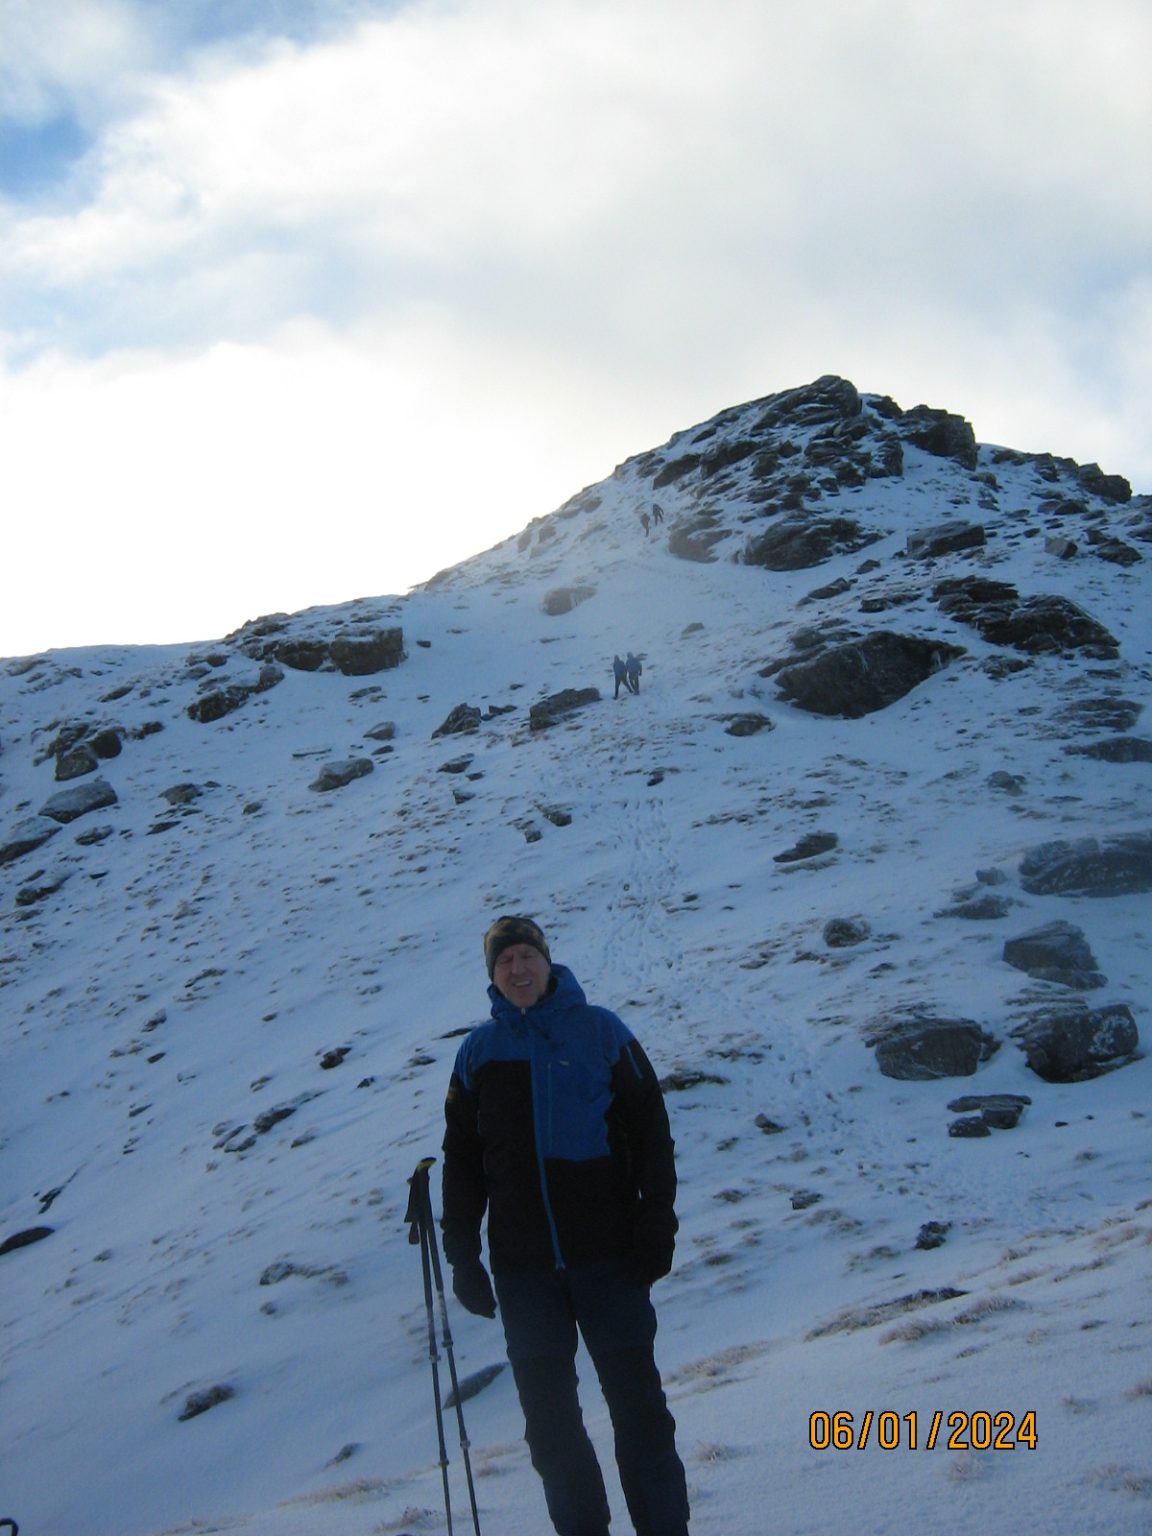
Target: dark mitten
473	1289
651	1261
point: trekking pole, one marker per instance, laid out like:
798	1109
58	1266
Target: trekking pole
417	1234
423	1231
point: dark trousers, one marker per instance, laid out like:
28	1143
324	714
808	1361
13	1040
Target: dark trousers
542	1309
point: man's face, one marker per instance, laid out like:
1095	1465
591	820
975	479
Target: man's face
521	975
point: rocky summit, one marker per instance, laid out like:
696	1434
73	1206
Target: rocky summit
865	863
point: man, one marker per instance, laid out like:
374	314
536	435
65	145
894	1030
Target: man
632	670
619	674
556	1126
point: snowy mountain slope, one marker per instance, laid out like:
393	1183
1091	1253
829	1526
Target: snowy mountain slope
230	1003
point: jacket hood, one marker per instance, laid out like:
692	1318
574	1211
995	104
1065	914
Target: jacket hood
565	994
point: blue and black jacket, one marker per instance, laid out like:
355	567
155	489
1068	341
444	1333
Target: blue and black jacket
556	1126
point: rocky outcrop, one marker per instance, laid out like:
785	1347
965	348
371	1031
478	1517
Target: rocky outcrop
924	1047
336	775
1073	1043
215	702
1056	952
564	599
68	804
951	538
1037	625
461	721
26	836
354	647
798	543
856	677
547	712
1089	866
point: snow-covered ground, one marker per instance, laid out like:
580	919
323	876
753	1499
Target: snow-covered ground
200	961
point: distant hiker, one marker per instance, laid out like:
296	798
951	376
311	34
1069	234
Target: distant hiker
556	1127
644	523
657	512
620	674
632	671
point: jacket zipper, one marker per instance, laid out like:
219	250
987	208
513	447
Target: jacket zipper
538	1126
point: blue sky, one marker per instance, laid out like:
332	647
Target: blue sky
305	299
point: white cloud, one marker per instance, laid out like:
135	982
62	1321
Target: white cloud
572	229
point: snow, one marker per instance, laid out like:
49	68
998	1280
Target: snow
183	981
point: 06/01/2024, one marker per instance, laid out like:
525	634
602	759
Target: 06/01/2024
888	1430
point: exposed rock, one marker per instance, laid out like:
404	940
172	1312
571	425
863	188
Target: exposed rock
946	539
970	1126
385	731
863	675
809	847
337	775
26	836
215	703
463	720
552	709
1116	749
694	538
357	649
471	1386
366	652
932	1234
1114	866
1073	1043
747	725
921	1048
68	804
76	762
182	794
25	1239
941	433
979	908
844	932
1056	952
1112	488
200	1402
798	543
1036	625
1101	712
768	1126
1006	783
998	1111
564	599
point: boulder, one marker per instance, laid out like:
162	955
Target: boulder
1088	866
948	538
1056	952
1074	1043
336	775
26	836
922	1049
798	543
1041	625
941	433
998	1111
861	676
68	804
564	599
844	932
548	711
461	721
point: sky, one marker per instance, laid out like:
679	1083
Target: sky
304	301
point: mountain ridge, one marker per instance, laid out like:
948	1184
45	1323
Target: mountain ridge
231	994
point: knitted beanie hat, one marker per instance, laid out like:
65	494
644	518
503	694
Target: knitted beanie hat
506	931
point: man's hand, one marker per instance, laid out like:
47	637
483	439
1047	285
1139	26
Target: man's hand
473	1289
